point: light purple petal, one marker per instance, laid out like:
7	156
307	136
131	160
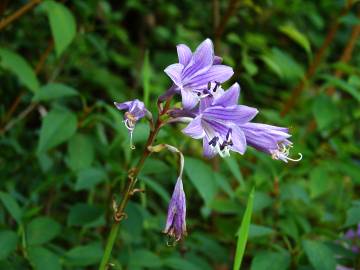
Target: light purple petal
189	99
184	54
229	97
195	129
205	103
122	106
238	139
201	60
174	72
217	73
217	60
238	114
208	151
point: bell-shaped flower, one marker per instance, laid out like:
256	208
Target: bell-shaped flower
195	71
176	217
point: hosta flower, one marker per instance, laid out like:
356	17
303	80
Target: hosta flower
218	124
176	217
192	75
135	110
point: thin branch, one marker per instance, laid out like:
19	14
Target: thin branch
316	62
17	14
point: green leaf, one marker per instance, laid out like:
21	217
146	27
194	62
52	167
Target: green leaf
201	176
156	188
351	89
54	91
146	74
297	36
42	230
89	178
325	111
12	206
270	260
62	24
81	152
243	232
179	264
319	182
84	255
43	259
319	255
272	65
57	127
235	169
84	214
352	216
259	231
8	242
20	67
148	259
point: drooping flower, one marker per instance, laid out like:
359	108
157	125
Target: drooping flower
135	110
194	71
218	124
176	217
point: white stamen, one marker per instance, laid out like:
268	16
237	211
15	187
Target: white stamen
283	152
130	126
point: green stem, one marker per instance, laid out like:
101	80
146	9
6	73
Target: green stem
132	176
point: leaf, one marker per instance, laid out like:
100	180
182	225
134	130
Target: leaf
89	178
84	214
243	231
156	188
8	242
62	24
57	127
12	206
201	176
43	259
325	111
270	260
81	152
319	182
179	264
235	169
352	89
259	231
42	230
297	36
54	91
272	65
148	259
319	255
20	67
145	75
352	216
84	255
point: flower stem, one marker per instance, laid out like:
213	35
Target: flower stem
132	177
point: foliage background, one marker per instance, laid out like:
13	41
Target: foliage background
65	152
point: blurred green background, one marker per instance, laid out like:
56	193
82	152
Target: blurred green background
64	152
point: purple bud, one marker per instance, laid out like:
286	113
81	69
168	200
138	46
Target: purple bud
176	217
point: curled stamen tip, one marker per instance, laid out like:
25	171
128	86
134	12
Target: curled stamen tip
298	159
132	147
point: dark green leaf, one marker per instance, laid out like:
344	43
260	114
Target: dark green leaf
81	152
54	91
8	242
271	260
89	178
84	255
42	230
319	255
84	214
43	259
12	206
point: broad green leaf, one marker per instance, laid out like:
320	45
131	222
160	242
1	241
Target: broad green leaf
319	182
146	74
8	242
12	206
89	178
57	127
319	255
243	232
62	24
43	259
272	65
84	255
20	67
80	151
148	259
259	231
350	88
271	260
235	169
297	36
179	264
225	206
152	184
325	111
353	216
201	176
82	214
53	91
42	230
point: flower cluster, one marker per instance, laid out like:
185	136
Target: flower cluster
212	114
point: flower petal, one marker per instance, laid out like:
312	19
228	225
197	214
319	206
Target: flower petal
194	129
217	60
229	97
217	73
189	99
208	151
122	106
238	114
184	54
201	60
174	72
238	139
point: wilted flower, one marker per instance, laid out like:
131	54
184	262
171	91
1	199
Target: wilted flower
135	110
176	217
194	71
218	124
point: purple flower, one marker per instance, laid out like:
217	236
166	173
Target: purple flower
175	222
195	71
218	123
135	110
